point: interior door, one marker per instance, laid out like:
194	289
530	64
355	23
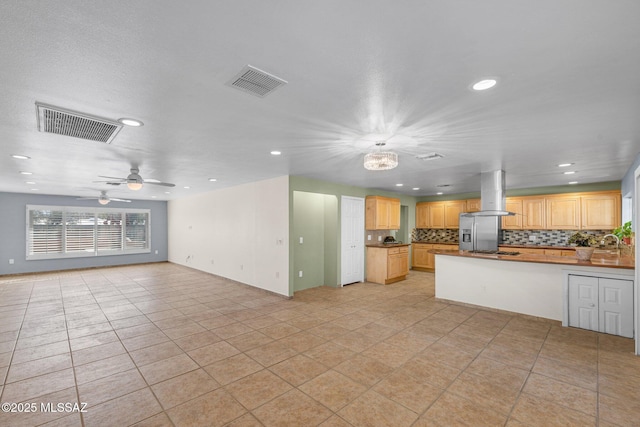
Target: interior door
352	240
583	302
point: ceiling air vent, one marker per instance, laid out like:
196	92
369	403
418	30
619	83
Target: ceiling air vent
78	125
256	82
430	156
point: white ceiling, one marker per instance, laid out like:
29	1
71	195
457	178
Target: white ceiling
357	72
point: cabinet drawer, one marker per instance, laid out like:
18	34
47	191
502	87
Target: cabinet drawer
393	251
404	249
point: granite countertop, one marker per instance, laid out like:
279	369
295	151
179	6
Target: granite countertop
566	248
432	242
597	260
387	245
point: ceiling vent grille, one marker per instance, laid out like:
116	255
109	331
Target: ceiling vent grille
430	156
256	82
77	125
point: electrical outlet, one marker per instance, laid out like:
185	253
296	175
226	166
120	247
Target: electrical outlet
300	273
156	252
11	261
368	236
532	238
301	240
379	238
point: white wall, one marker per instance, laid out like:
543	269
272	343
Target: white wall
241	233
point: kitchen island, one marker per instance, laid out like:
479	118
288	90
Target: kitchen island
530	284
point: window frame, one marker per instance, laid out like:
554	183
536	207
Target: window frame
95	211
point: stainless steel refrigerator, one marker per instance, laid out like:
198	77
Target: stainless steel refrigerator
479	233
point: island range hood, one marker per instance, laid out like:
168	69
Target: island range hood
492	195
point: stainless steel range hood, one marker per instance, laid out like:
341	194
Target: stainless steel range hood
492	195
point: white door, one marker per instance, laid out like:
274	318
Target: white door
616	307
583	302
352	240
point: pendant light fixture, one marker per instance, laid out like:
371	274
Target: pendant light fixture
379	160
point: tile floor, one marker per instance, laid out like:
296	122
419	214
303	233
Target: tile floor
164	345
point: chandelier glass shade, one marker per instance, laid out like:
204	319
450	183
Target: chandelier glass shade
380	161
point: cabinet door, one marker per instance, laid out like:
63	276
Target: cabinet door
382	214
533	214
601	211
616	307
420	255
436	215
583	302
422	215
396	265
513	222
473	205
452	211
563	212
394	214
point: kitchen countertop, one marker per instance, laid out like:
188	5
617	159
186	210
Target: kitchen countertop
565	248
597	260
434	243
387	245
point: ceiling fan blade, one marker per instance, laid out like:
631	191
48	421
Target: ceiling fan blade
164	184
113	177
120	200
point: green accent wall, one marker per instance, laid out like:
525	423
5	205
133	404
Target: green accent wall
300	219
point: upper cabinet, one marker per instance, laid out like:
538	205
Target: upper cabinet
513	222
573	211
563	212
473	205
600	211
439	214
382	213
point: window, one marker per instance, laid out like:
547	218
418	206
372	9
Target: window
69	232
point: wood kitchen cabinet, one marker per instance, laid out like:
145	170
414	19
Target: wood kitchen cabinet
387	265
473	205
601	211
439	214
563	212
421	257
382	213
533	213
452	211
513	204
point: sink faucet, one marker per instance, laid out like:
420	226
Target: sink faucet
611	235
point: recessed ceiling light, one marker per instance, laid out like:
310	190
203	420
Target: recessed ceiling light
573	182
439	193
153	197
564	165
20	157
187	187
131	122
569	172
30	183
212	180
484	84
167	192
34	189
416	188
276	153
399	185
26	173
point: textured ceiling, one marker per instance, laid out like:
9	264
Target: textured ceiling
357	71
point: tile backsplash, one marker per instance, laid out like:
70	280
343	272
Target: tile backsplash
511	237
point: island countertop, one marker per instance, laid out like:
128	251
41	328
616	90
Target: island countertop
387	245
597	260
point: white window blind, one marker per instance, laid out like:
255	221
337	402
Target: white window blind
45	232
109	232
68	232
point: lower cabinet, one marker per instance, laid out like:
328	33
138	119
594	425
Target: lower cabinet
387	265
601	304
421	257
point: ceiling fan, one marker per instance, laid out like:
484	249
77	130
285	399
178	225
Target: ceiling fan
134	181
103	199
